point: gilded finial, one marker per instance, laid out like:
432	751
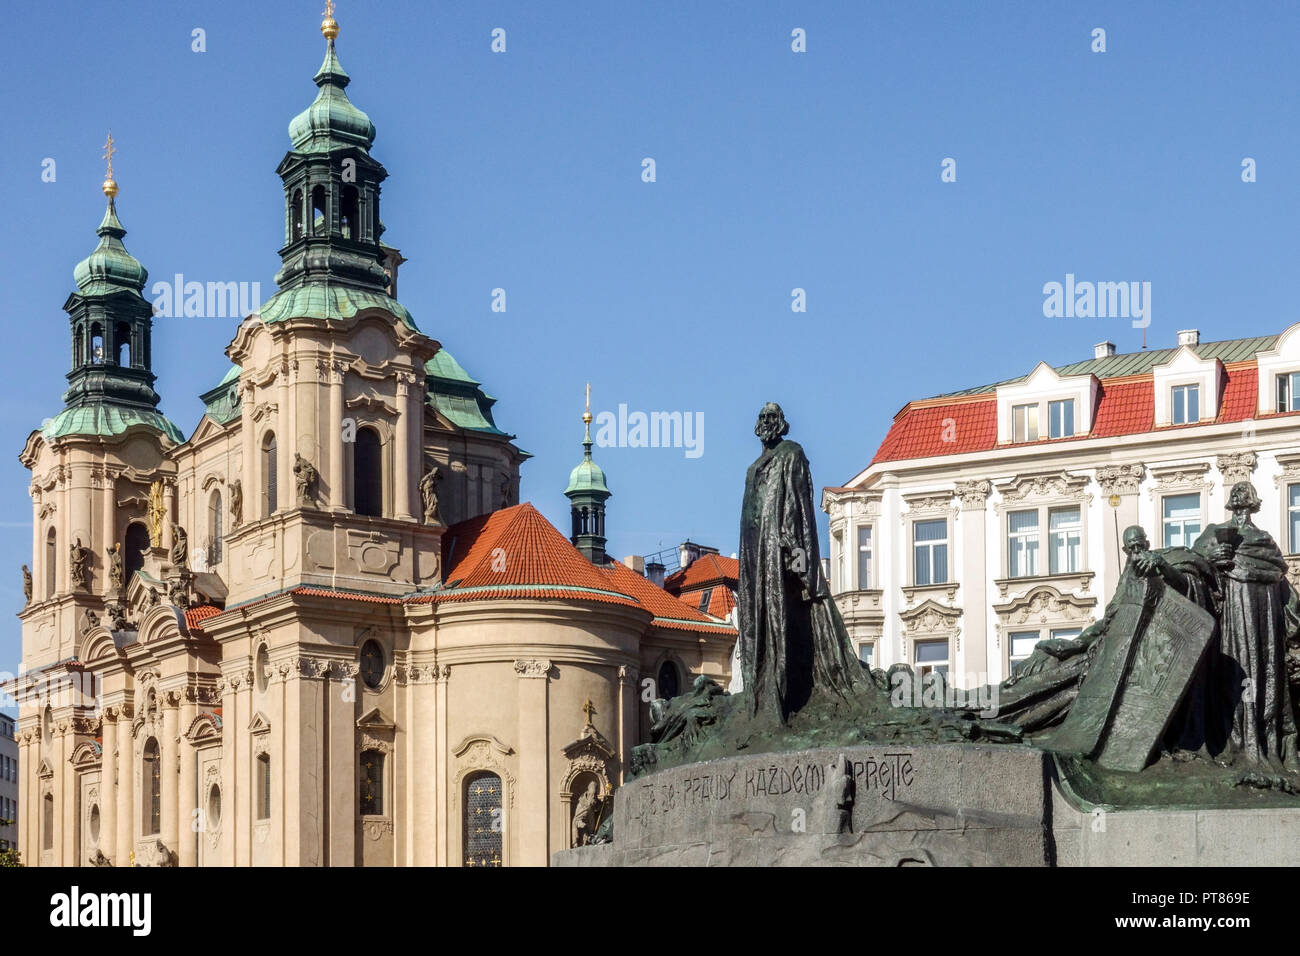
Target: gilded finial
110	185
586	416
329	27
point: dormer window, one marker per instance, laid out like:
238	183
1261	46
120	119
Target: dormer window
1186	404
1061	418
1288	392
1025	423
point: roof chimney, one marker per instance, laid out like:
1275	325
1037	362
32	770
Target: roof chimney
1189	337
654	572
636	563
1103	350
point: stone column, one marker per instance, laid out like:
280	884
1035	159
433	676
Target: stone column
421	764
1119	509
402	451
627	719
61	561
441	773
295	442
108	789
78	503
169	502
26	773
285	495
975	651
125	787
232	801
108	506
168	752
38	550
252	481
342	709
533	825
187	801
65	797
335	439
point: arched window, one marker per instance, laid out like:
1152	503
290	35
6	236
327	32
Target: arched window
372	783
263	795
319	217
51	563
367	473
96	344
669	685
122	343
47	822
270	477
351	213
78	344
214	528
295	216
151	789
137	544
484	820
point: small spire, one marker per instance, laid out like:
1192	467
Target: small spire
329	27
586	418
110	185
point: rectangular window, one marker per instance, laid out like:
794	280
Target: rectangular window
1021	645
1022	544
1288	392
1182	520
1293	518
864	557
705	598
1061	418
841	563
372	783
931	656
930	552
867	653
1186	404
1024	423
264	787
1066	531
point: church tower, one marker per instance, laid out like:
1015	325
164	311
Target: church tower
587	494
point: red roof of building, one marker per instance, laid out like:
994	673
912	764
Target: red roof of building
194	616
1125	406
668	610
721	599
704	570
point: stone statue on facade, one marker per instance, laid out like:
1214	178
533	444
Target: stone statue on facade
78	564
585	815
116	570
157	513
27	585
180	553
306	477
236	503
505	491
792	639
429	494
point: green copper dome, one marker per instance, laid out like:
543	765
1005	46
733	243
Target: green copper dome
110	267
587	476
331	121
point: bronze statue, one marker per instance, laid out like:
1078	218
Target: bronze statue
792	639
157	513
78	564
429	492
116	570
180	553
306	477
27	584
236	503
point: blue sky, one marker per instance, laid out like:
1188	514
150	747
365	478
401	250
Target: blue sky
775	170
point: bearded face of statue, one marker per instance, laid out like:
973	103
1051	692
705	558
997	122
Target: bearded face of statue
771	424
1135	541
1243	500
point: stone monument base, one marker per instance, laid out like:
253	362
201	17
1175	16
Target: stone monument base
921	805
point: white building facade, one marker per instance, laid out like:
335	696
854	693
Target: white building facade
991	519
8	784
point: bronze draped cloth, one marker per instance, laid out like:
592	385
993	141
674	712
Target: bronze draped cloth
1248	711
792	638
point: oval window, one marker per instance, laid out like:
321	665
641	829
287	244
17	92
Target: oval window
372	664
214	807
94	824
263	668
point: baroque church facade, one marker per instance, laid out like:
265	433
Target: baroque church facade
321	630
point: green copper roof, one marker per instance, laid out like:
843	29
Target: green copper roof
107	421
1137	363
587	477
331	121
458	396
231	375
319	301
221	404
110	268
444	366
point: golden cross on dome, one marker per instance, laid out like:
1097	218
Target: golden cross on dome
329	9
588	708
109	150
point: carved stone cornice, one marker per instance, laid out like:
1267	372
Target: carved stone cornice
1190	477
930	592
540	668
974	494
1059	484
1236	466
1064	583
1045	605
1290	469
929	502
1120	479
931	617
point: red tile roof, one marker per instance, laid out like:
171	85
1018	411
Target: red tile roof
706	569
668	610
195	615
947	429
721	599
1125	408
1240	395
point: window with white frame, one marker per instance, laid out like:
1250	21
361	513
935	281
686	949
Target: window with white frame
1065	528
864	557
840	584
867	653
930	656
1024	423
1293	518
1288	392
1186	404
1060	418
1020	644
1022	544
1182	519
930	552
